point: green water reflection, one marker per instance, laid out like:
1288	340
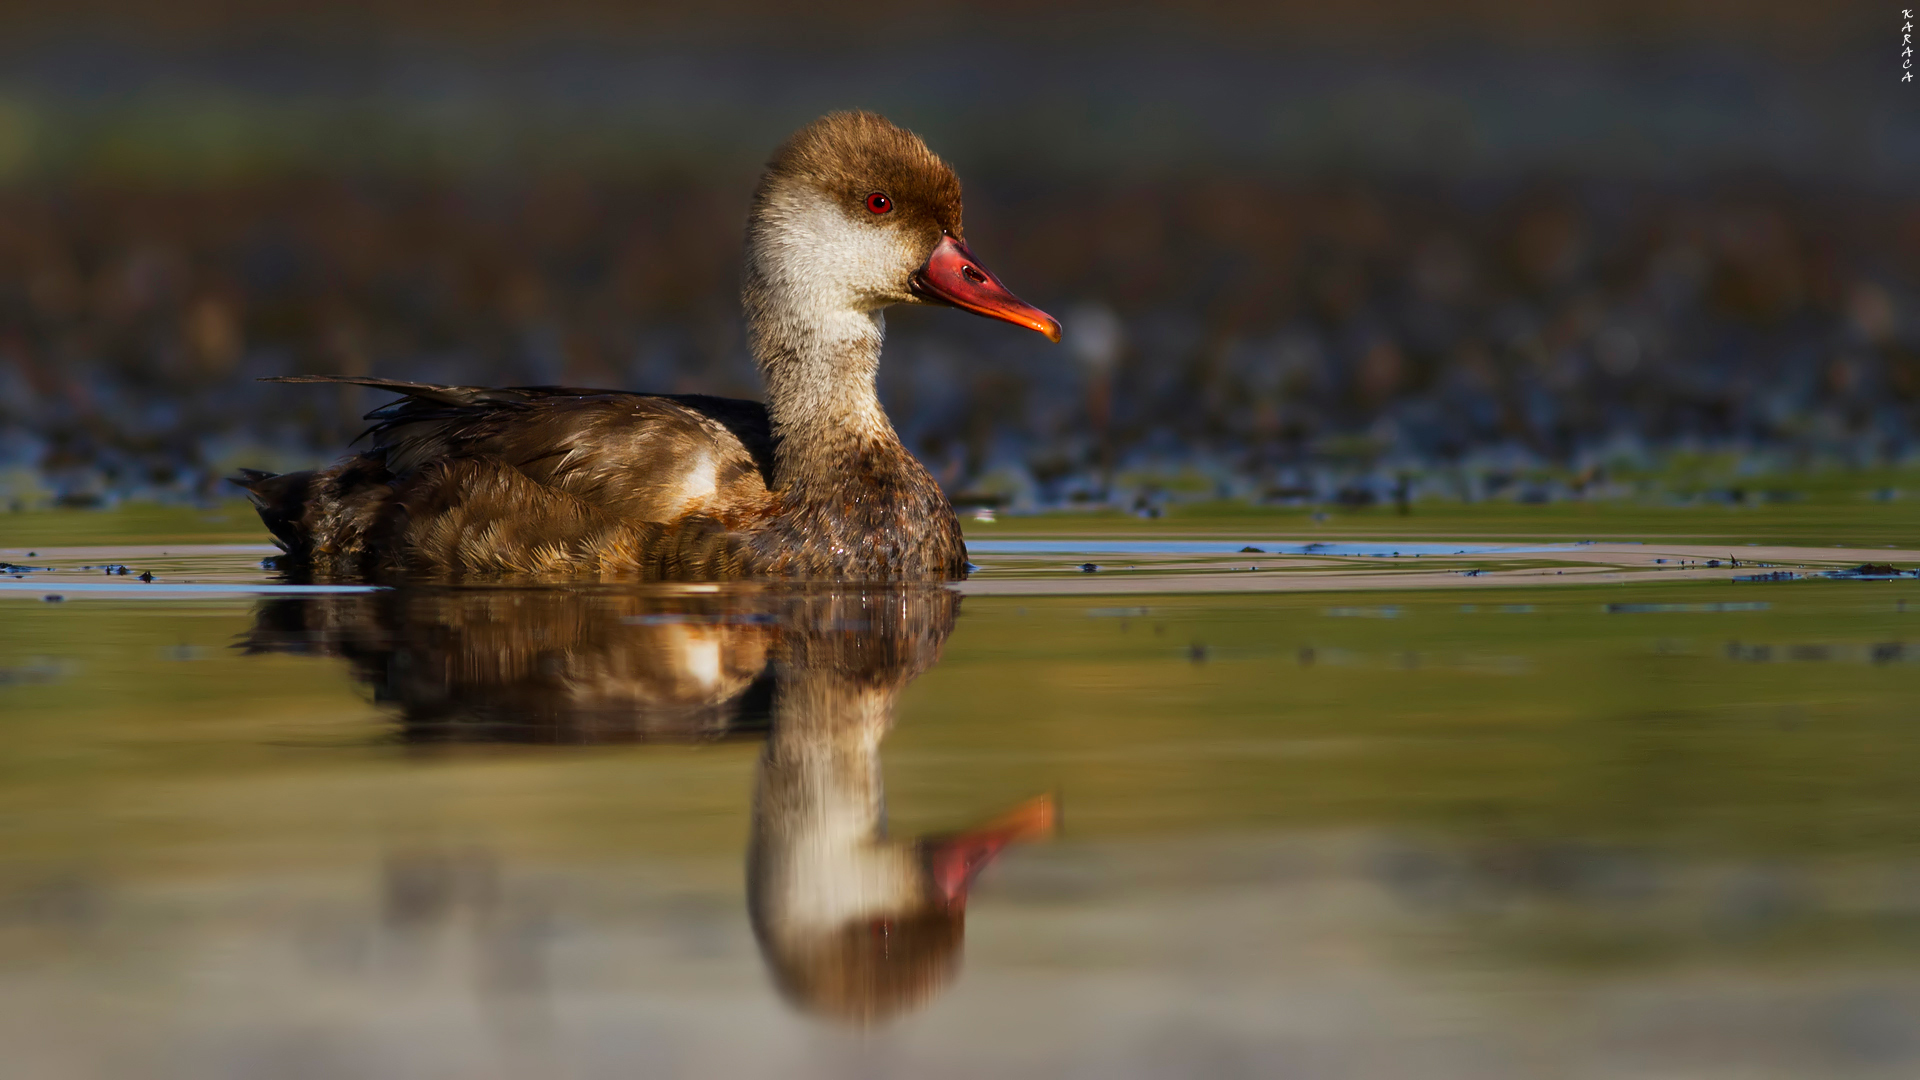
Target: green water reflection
1576	830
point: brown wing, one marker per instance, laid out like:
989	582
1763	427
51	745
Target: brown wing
637	456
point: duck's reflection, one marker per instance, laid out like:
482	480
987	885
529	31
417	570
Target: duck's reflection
527	665
852	924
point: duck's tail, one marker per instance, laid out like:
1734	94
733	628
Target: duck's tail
281	499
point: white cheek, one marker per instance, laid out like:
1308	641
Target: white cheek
836	260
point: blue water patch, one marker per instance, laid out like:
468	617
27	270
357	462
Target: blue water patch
1642	609
1239	547
1389	611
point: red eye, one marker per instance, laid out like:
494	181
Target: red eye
879	203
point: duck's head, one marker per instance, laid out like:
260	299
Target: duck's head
882	930
855	214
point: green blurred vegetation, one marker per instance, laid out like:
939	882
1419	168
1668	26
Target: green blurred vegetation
134	523
1863	507
1700	501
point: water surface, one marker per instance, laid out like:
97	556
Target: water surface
1508	827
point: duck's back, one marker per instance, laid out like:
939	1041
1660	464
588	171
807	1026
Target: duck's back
539	460
645	457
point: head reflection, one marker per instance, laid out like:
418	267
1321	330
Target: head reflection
853	925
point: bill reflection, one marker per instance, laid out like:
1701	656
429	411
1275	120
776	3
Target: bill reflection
853	924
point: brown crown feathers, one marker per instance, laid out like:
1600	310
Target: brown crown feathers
850	155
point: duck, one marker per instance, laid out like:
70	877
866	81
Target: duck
852	215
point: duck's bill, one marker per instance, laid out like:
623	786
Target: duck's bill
955	861
953	276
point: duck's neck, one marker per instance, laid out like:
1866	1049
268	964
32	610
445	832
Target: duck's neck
819	368
816	857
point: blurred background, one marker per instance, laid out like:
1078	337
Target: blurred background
1304	253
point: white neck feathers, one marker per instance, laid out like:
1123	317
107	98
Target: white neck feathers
817	280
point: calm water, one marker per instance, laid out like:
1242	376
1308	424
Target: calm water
1597	830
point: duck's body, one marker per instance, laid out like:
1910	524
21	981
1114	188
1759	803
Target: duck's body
551	480
853	215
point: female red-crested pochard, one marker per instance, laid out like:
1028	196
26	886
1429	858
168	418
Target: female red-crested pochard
852	215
